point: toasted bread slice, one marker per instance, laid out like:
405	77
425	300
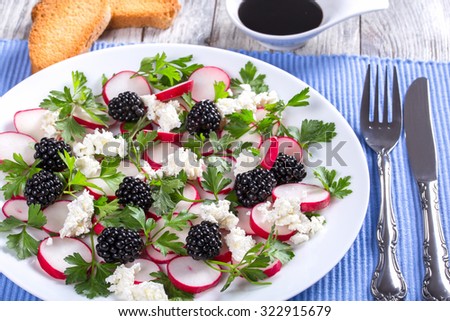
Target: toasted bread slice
65	28
143	13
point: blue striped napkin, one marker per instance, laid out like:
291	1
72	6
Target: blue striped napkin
339	79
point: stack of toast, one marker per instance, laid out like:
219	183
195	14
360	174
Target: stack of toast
65	28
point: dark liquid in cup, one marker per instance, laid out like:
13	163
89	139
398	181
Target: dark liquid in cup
280	17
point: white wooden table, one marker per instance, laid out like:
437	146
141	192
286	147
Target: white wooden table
413	29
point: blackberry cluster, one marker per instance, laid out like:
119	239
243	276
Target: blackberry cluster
47	152
254	186
127	106
288	170
43	188
118	244
132	191
204	241
203	118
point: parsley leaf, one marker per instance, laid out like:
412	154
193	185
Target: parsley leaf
178	222
220	90
172	292
214	181
162	73
18	172
89	277
78	99
239	123
249	76
23	243
169	241
337	188
300	99
312	131
165	191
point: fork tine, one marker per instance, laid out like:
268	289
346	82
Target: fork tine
376	107
365	101
396	102
386	98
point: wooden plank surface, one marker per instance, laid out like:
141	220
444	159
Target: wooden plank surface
418	29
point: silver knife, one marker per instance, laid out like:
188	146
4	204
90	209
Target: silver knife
423	162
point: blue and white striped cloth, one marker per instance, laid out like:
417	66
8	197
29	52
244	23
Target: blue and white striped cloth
339	79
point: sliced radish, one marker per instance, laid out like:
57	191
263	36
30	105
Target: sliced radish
13	142
269	152
158	257
56	215
273	268
312	197
228	174
204	79
175	91
243	214
17	208
225	254
168	137
84	119
147	267
125	81
291	147
189	192
97	226
191	275
51	254
262	228
196	209
157	154
252	137
29	122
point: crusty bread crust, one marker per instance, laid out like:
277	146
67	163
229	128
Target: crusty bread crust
65	28
143	13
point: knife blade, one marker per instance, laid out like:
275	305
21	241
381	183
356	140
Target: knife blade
422	156
419	131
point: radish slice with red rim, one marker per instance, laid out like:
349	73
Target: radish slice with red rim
125	81
204	79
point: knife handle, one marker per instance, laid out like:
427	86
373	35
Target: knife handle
436	282
387	283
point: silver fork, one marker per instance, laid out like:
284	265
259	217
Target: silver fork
387	281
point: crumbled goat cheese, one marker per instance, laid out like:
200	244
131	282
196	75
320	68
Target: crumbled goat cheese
286	212
219	213
145	166
239	243
122	285
183	159
88	166
101	142
164	113
48	123
247	99
79	218
245	162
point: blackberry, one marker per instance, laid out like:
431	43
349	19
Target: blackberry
127	106
204	241
118	244
43	188
254	186
288	170
47	152
133	191
203	118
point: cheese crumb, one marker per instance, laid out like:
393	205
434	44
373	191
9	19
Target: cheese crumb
101	142
219	213
163	113
88	166
48	124
239	243
78	220
183	159
122	285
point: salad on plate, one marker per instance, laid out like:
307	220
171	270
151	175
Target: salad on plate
173	180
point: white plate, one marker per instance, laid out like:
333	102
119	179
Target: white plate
313	259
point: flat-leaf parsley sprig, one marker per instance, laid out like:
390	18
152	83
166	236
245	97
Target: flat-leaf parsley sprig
162	73
23	243
255	261
338	187
18	172
67	102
